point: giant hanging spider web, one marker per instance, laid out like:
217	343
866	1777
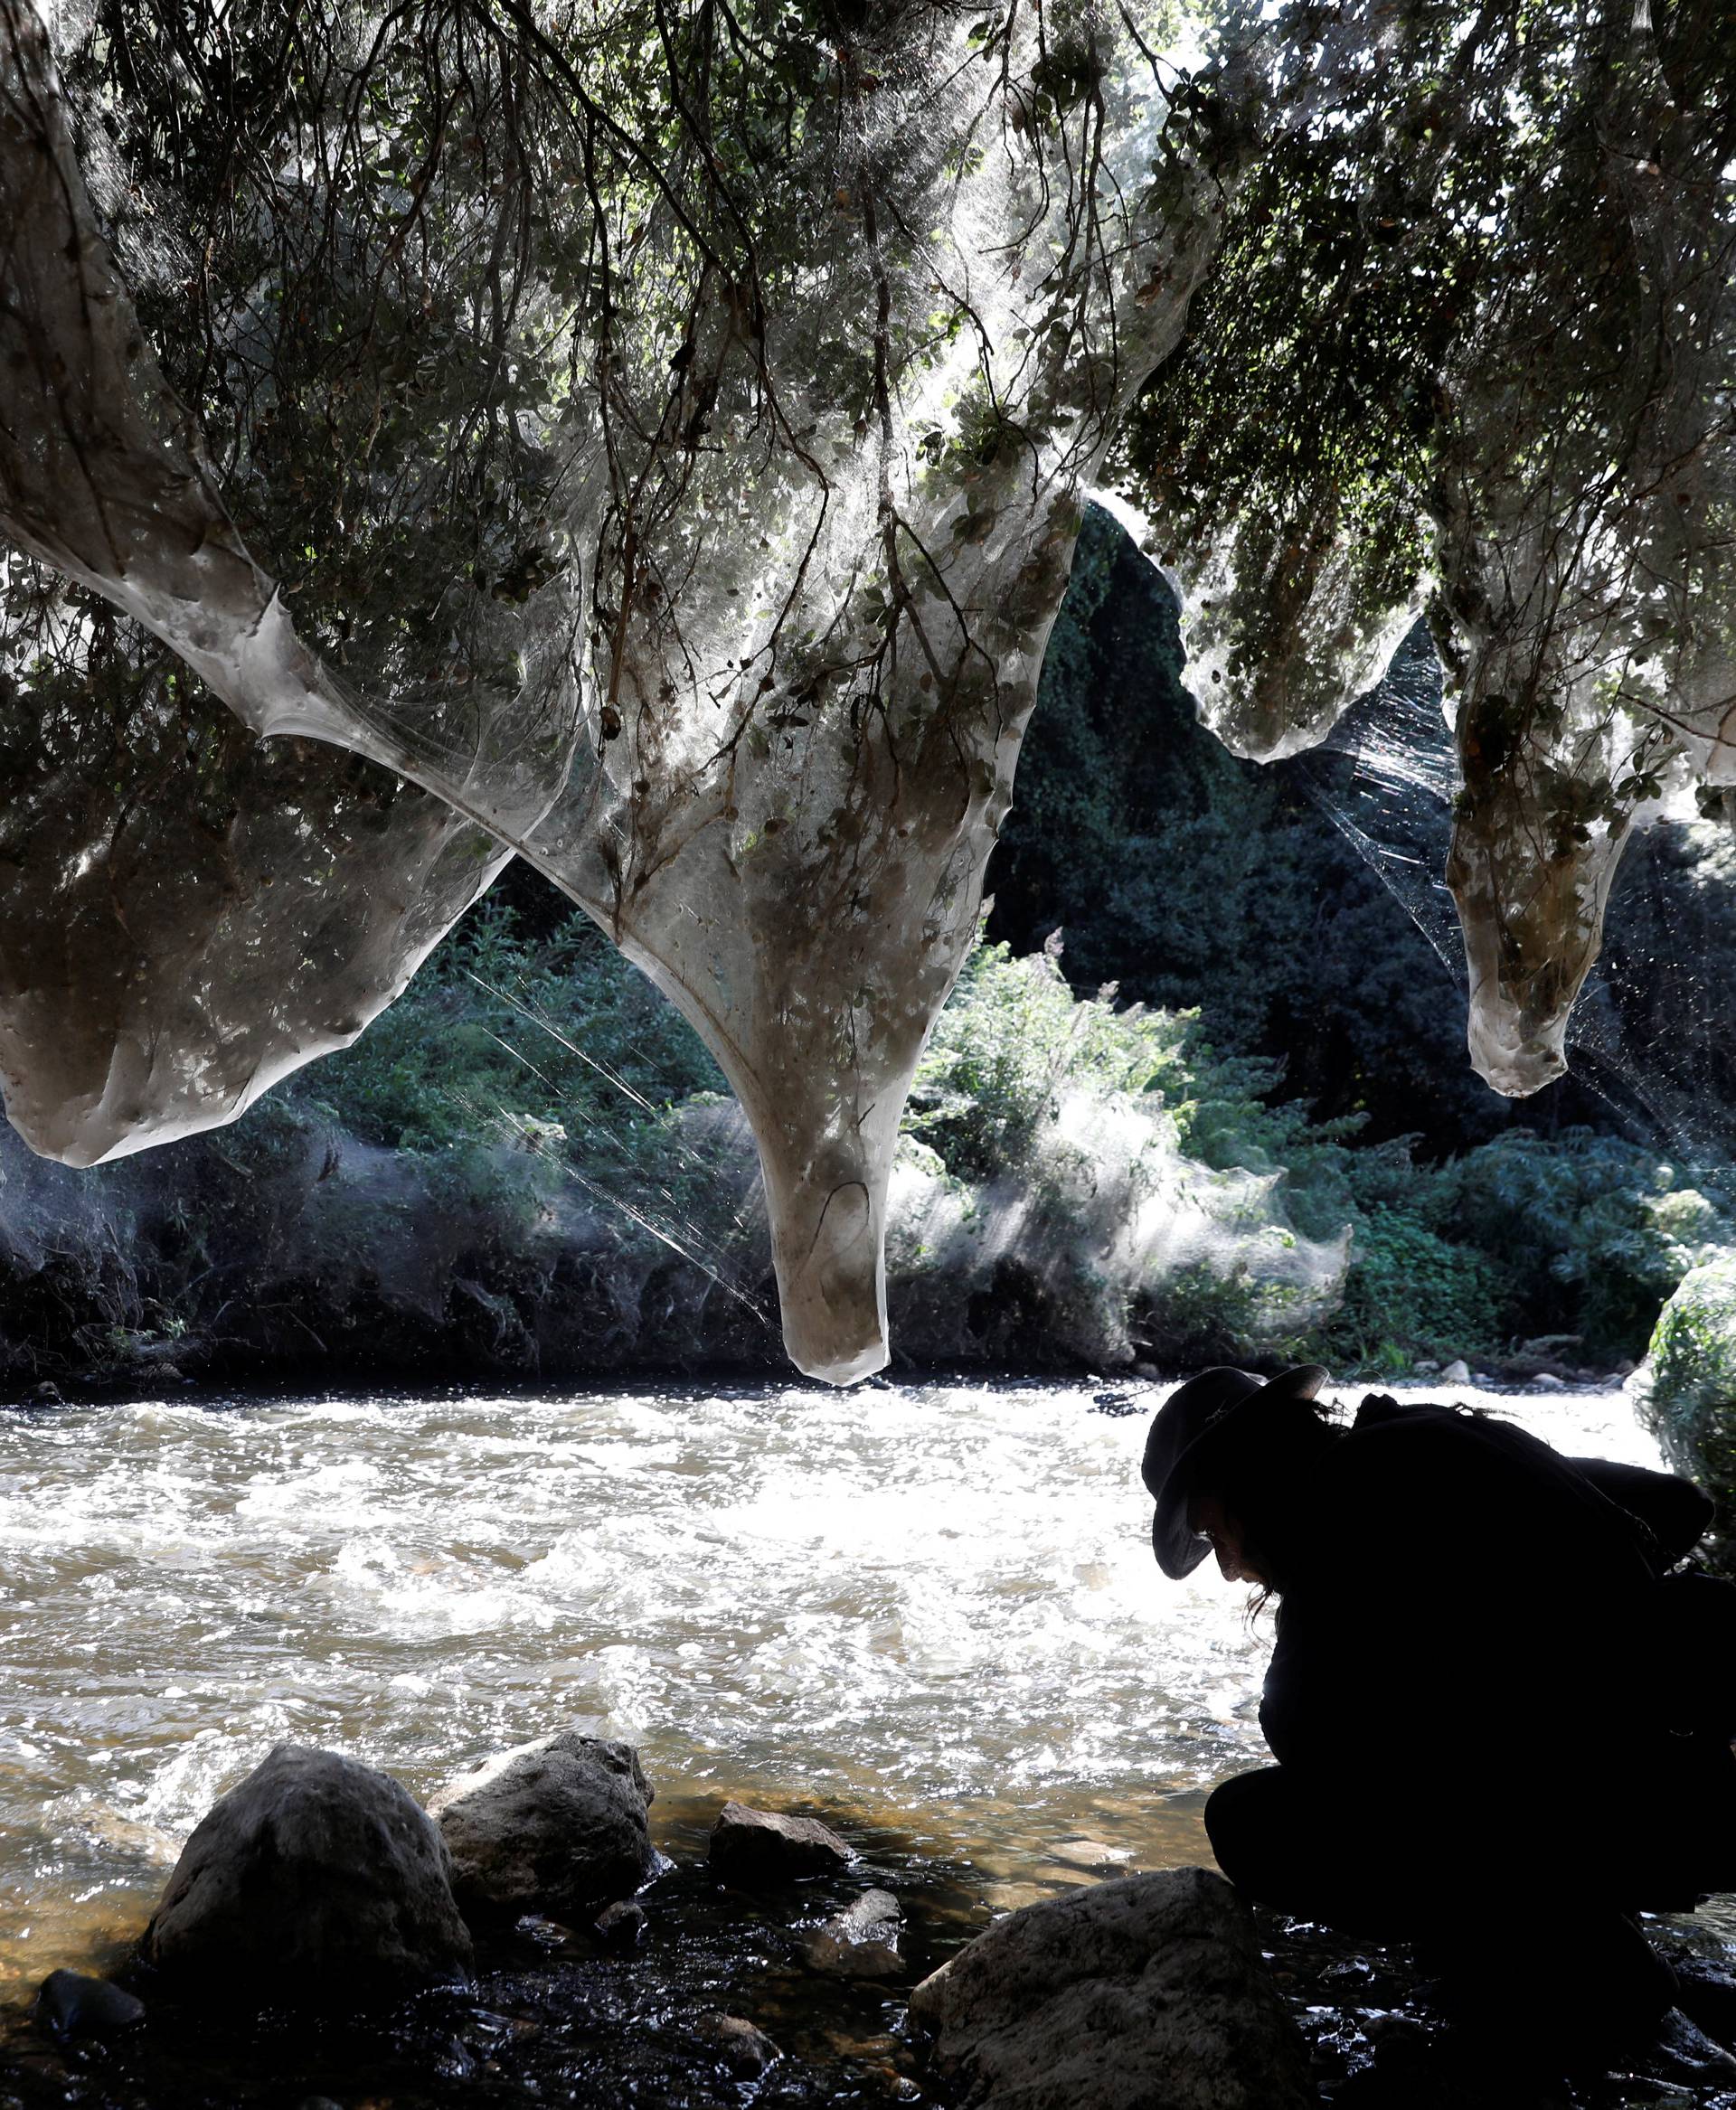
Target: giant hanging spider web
658	439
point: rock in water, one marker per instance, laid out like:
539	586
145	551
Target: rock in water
754	1847
860	1942
317	1882
745	2049
558	1826
1145	1994
69	2004
620	1925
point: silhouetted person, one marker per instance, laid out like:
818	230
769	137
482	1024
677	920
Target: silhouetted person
1490	1714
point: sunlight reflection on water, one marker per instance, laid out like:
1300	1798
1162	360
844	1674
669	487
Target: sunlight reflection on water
933	1607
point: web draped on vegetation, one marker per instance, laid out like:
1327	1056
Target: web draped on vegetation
1652	1031
1488	369
655	444
775	499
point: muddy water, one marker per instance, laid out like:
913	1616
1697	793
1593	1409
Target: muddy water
931	1611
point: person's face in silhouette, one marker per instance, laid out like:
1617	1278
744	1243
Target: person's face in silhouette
1207	1514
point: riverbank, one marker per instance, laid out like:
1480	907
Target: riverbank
522	1173
933	1607
927	1612
560	2013
289	1255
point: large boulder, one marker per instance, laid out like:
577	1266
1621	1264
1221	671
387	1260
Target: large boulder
558	1826
317	1881
1147	1994
1686	1390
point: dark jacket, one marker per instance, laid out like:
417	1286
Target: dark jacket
1476	1606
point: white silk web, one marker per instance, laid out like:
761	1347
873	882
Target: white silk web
1652	1032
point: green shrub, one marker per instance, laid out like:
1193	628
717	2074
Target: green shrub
1590	1233
1409	1293
558	1046
1012	1041
495	1027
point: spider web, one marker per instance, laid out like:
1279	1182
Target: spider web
1654	1034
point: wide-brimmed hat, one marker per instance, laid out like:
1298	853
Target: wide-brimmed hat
1192	1427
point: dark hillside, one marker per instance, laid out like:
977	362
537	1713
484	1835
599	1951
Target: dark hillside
1194	879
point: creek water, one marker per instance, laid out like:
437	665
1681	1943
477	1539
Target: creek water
929	1611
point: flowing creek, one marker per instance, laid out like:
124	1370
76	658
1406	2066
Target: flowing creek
928	1612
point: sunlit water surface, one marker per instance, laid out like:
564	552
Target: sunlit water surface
930	1608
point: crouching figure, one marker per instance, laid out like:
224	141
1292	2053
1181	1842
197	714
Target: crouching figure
1501	1714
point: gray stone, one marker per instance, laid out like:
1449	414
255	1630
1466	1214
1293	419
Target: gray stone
743	2048
1684	2053
753	1846
315	1882
1145	1994
862	1941
69	2004
1456	1372
558	1826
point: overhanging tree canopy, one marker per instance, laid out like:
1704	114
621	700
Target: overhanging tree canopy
651	438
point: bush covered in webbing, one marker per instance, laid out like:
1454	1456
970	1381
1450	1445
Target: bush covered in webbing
1469	338
660	432
1053	1130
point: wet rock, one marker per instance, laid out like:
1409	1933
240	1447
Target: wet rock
862	1941
1089	1854
317	1881
621	1927
1148	1991
1684	2053
1456	1372
558	1826
69	2004
752	1847
1706	1995
743	2048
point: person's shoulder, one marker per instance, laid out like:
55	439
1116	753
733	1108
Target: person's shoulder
1382	1424
1416	1439
1384	1421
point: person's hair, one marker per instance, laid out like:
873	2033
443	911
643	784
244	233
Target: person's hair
1264	1479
